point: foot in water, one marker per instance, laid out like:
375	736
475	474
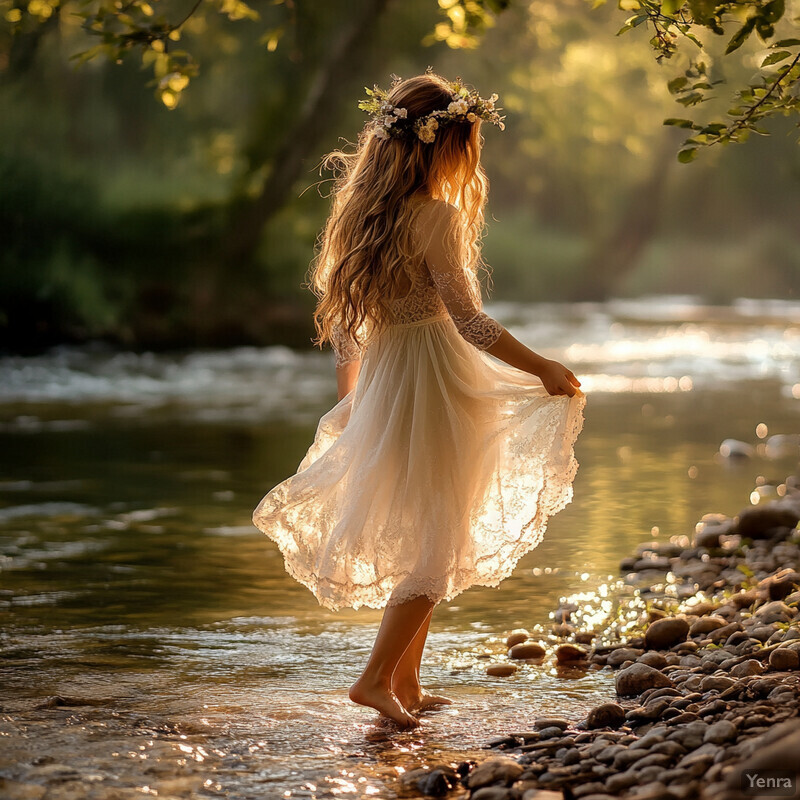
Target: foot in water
415	698
383	700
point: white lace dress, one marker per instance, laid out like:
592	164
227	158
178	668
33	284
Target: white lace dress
439	470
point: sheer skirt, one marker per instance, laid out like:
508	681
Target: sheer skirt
438	472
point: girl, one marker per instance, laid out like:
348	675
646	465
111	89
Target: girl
439	467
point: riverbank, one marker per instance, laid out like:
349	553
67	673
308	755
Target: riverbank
706	656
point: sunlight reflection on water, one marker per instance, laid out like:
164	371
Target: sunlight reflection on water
135	587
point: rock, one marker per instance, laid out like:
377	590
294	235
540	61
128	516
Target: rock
570	653
527	650
621	655
718	682
706	625
743	599
754	523
607	715
492	793
748	668
494	770
708	537
782	585
736	449
635	679
721	634
562	629
517	637
776	611
784	659
776	749
551	722
20	790
653	659
664	633
551	733
720	732
542	794
435	782
501	670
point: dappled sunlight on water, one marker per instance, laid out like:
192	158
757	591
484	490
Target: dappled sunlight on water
135	587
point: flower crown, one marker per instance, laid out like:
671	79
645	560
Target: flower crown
392	122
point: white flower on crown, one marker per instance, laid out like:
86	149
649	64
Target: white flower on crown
472	117
381	133
459	106
401	112
426	134
389	120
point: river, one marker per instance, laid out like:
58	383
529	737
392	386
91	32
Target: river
133	584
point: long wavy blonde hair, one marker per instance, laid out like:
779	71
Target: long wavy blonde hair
366	253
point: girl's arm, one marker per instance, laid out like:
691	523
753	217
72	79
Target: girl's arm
465	309
557	379
347	359
346	377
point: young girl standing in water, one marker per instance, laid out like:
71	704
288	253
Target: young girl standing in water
439	467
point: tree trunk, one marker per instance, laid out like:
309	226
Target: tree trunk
322	101
616	253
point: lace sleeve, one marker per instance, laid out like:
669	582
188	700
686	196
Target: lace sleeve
345	350
458	290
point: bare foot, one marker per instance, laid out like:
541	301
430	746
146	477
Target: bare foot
415	698
383	700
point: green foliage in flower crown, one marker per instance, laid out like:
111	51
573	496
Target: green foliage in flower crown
389	121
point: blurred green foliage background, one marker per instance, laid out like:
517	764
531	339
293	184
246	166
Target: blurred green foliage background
152	228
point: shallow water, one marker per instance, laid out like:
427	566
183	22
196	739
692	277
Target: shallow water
131	577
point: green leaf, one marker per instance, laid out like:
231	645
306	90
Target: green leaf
691	37
679	123
685	156
676	84
786	43
774	58
774	10
670	7
738	38
691	99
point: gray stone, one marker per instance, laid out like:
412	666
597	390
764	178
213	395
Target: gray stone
500	769
718	682
493	793
527	650
754	523
517	637
747	668
720	732
776	749
570	653
653	659
665	633
776	611
637	678
784	659
551	722
622	654
501	670
707	624
607	715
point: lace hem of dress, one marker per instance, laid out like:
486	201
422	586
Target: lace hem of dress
555	495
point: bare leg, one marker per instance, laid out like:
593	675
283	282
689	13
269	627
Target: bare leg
399	625
406	680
